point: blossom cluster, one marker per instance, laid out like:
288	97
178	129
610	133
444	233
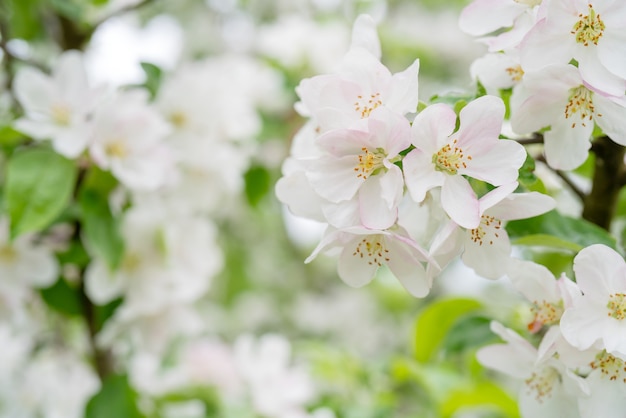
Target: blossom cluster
564	61
400	189
578	368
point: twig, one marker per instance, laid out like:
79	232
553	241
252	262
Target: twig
563	175
536	138
121	11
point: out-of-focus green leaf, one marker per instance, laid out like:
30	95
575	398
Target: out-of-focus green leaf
61	297
115	399
528	179
543	240
573	230
468	333
39	186
482	394
24	18
258	184
434	323
9	136
154	75
100	228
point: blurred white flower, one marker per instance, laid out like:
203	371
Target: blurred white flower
57	107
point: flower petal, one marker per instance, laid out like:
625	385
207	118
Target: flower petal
460	202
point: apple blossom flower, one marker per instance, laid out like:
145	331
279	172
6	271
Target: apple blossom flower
363	251
590	32
496	71
361	85
442	158
598	318
557	96
487	248
359	165
277	389
24	263
549	389
607	387
57	106
549	296
128	139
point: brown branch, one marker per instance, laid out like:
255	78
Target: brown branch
536	138
121	11
608	179
563	176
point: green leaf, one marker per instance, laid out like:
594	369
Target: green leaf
115	399
39	186
482	394
24	18
572	230
527	177
434	323
62	298
258	184
543	240
101	233
468	333
154	75
9	136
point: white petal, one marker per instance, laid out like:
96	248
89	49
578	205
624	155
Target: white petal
377	213
567	147
485	16
102	285
296	192
354	270
481	123
460	202
432	127
407	269
403	97
420	175
364	35
499	165
612	119
522	206
490	256
600	271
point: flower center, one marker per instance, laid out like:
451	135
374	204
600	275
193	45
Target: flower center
486	231
7	254
365	104
516	73
581	104
370	163
541	383
589	28
450	158
530	3
546	313
61	114
178	119
116	149
617	306
373	249
610	366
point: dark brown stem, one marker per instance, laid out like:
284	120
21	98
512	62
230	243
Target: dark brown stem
600	204
563	176
537	138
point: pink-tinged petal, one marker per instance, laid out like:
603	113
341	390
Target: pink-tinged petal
612	51
355	270
495	196
481	123
329	241
334	179
388	130
485	16
487	251
366	71
614	338
534	281
342	142
600	271
420	175
597	75
377	213
582	326
407	269
343	214
460	202
364	35
566	148
522	206
403	97
102	285
34	90
540	108
613	115
296	192
392	186
542	47
432	127
499	165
